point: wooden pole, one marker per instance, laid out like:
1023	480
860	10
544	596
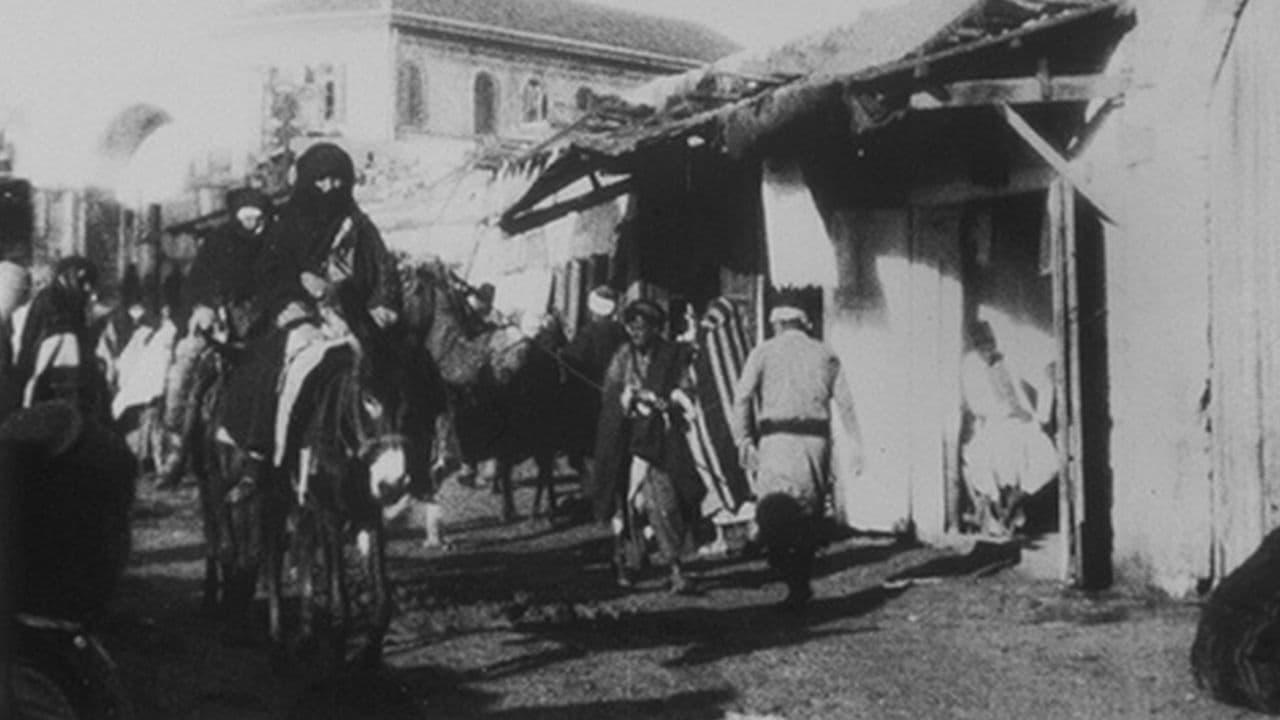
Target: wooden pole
1066	493
1075	433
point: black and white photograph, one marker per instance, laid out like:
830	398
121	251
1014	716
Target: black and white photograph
639	359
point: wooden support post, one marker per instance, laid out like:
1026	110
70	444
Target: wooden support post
1074	403
1062	440
1066	325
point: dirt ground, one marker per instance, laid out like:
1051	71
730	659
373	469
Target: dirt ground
523	622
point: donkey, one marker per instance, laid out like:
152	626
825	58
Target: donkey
344	457
345	460
231	528
506	399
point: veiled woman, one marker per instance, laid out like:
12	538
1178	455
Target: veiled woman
323	253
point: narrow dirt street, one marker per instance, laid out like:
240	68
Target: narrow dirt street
523	621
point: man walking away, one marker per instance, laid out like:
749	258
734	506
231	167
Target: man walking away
795	379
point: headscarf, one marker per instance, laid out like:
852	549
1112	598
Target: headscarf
309	220
320	161
247	197
71	278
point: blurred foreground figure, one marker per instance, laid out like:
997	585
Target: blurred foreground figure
66	488
1236	654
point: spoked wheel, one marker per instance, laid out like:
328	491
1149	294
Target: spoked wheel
34	694
78	683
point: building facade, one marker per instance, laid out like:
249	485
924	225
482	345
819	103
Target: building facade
422	73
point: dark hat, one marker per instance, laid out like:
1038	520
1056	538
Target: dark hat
486	292
74	270
645	308
247	197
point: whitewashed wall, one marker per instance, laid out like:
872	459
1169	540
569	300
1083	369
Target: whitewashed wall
1151	161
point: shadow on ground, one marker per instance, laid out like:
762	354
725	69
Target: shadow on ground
443	695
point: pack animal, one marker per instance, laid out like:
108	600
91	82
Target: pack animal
505	389
343	461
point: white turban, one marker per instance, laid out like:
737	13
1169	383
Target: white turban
787	313
600	304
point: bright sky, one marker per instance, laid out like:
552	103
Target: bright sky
66	65
753	23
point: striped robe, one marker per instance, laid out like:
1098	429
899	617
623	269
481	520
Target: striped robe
723	345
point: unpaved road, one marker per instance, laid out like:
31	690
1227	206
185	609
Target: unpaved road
522	621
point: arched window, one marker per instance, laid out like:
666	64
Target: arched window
585	99
410	96
534	101
486	105
330	100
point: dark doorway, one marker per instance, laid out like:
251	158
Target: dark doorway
1095	542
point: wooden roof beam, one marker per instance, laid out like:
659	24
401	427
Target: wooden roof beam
1020	91
1054	159
526	220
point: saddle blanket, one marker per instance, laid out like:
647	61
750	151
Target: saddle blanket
305	349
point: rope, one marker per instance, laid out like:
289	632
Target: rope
660	405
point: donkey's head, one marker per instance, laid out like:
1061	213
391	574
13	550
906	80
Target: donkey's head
357	420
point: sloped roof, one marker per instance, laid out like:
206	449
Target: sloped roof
886	35
870	63
565	19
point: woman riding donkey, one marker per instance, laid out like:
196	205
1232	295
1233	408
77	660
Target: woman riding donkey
222	294
325	272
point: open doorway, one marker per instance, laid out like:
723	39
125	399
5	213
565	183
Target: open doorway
1008	453
1033	272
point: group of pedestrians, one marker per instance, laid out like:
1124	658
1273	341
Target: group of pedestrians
643	481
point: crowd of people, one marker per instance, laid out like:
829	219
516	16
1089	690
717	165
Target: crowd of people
273	277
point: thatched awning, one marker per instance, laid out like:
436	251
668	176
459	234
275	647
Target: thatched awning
865	76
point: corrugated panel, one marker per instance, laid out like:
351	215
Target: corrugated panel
1245	288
